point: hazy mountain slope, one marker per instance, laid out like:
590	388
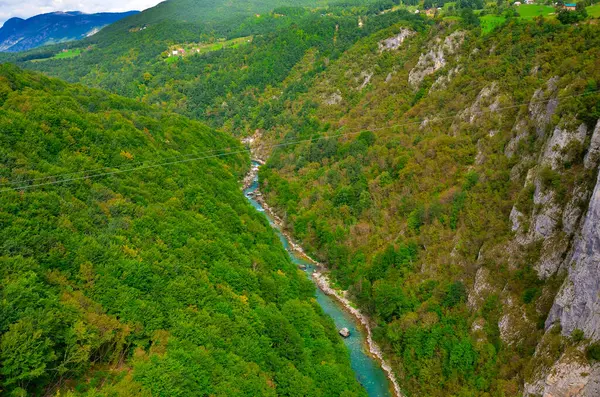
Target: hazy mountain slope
24	34
456	225
177	20
159	281
199	85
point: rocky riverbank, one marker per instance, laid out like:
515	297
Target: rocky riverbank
249	178
322	281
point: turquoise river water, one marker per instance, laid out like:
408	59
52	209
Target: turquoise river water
367	370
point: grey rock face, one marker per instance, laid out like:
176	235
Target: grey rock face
443	81
577	305
393	43
542	107
514	323
548	213
593	154
435	58
485	99
515	218
481	288
334	99
544	222
568	377
520	131
553	154
572	211
551	256
366	76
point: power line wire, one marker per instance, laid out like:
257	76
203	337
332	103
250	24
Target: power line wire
228	153
16	182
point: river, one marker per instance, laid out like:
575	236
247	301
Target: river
367	370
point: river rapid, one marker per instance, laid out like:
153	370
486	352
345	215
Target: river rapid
373	373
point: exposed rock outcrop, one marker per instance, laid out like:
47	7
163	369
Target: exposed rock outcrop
441	82
543	105
255	143
394	42
366	76
334	99
486	103
593	154
436	58
550	221
568	377
555	149
481	288
514	323
541	108
577	305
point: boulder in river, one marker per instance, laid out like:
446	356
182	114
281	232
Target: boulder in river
345	332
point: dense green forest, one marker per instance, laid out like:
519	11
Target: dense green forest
402	215
158	281
438	165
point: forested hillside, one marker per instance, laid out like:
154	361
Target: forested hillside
450	198
149	274
223	87
444	167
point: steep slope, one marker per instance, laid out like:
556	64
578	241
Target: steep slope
221	87
451	200
175	21
456	194
24	34
210	12
148	274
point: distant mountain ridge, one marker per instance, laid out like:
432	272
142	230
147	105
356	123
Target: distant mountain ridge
19	34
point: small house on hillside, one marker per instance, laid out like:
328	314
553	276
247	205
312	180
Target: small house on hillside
570	6
517	3
529	2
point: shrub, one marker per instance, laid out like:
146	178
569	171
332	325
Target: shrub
577	335
530	294
550	179
525	200
456	294
593	352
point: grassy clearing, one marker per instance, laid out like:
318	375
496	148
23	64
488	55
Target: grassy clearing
489	22
203	48
61	55
68	54
594	11
233	43
530	11
526	12
448	6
